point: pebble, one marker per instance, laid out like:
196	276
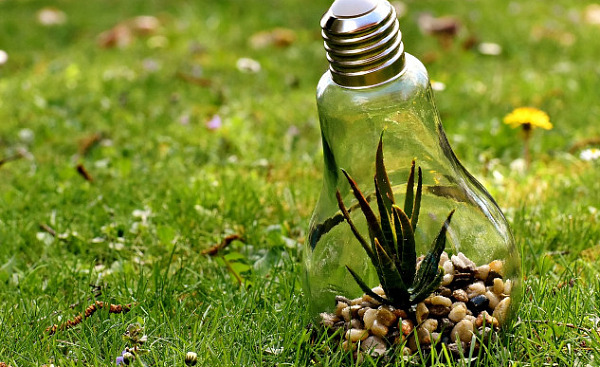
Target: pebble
361	312
494	299
445	324
379	291
491	276
339	307
443	258
373	343
328	319
478	303
463	263
462	280
355	324
462	331
379	329
460	295
348	346
448	267
342	299
407	326
356	302
498	267
370	301
498	286
486	318
369	317
424	336
430	325
385	316
508	287
447	279
501	310
400	313
355	335
458	312
475	289
422	312
482	272
445	291
441	301
346	314
354	310
439	311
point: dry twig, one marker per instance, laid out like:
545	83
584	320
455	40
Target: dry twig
51	330
84	173
214	250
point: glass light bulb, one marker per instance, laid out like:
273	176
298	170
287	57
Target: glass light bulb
374	87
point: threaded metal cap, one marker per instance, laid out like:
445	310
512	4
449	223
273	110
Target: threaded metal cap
363	42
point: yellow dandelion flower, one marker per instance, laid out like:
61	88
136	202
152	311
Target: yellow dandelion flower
528	118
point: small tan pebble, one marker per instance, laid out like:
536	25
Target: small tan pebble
355	324
412	344
347	314
373	342
508	287
441	301
498	286
448	267
354	310
485	334
435	337
458	312
369	317
486	318
439	311
406	351
463	263
422	312
476	289
494	299
355	335
470	317
482	272
430	325
356	301
367	304
424	336
361	312
444	291
443	258
460	295
399	339
328	319
385	316
501	310
378	329
372	301
342	299
407	326
378	291
348	346
447	279
462	331
400	313
339	307
497	266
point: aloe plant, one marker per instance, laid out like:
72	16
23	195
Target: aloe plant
391	248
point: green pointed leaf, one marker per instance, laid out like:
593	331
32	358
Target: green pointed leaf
428	270
381	178
372	221
425	291
389	243
409	198
390	278
409	255
353	228
365	288
417	207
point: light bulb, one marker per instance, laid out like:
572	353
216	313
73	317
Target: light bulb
372	90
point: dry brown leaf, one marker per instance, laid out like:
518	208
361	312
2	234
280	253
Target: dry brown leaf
278	37
123	34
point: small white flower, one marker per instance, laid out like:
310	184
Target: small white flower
488	48
3	57
247	65
590	154
437	86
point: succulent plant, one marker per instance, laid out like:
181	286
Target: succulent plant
392	241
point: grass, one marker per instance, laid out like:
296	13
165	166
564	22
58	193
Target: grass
166	188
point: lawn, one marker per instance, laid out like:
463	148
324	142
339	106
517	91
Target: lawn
126	156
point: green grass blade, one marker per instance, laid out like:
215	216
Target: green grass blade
407	246
365	288
387	227
428	270
417	207
372	221
381	178
410	184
